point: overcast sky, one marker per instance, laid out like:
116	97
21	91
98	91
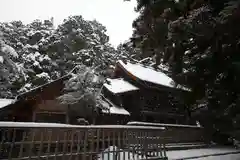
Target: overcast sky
116	15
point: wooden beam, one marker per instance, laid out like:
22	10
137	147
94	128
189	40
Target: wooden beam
163	113
50	112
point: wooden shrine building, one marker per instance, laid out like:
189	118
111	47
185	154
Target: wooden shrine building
37	105
133	93
141	93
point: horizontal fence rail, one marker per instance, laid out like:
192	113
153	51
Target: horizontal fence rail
136	123
19	140
175	133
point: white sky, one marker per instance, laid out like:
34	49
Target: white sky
116	15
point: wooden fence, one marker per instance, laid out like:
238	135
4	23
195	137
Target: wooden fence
176	133
59	141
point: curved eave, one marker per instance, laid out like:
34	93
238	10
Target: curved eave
135	78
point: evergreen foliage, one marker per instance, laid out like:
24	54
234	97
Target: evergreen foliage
199	41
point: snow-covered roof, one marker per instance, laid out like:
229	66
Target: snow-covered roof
148	74
110	108
5	102
118	110
119	85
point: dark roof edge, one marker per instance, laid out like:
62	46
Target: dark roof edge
65	77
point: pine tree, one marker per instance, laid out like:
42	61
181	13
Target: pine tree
199	41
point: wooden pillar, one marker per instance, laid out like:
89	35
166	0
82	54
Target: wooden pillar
34	112
67	114
176	120
34	115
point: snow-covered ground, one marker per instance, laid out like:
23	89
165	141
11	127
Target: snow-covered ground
223	153
222	157
220	153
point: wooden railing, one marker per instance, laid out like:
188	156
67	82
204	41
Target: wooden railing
178	134
20	140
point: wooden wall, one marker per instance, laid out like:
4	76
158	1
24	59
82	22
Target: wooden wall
51	105
51	109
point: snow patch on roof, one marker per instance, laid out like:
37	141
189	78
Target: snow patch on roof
110	108
5	102
148	74
118	110
119	86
